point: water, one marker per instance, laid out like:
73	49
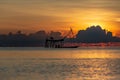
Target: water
85	63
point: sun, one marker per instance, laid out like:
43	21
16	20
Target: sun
101	24
87	24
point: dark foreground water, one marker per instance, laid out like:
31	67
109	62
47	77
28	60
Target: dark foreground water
96	63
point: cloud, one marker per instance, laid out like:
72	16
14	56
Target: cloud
51	12
107	4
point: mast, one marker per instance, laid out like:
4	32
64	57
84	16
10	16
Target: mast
71	31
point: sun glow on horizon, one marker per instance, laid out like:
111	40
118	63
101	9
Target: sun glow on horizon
104	18
59	15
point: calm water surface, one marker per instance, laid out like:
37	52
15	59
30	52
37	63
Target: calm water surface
85	63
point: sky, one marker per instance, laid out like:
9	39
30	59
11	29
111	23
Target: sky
59	15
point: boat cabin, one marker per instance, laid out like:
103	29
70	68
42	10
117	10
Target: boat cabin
53	43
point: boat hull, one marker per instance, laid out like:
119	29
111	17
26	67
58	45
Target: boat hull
69	47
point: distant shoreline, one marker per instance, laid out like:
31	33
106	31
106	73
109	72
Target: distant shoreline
111	44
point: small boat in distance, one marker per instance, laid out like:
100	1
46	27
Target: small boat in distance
58	43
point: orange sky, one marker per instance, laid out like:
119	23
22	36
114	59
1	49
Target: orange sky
58	15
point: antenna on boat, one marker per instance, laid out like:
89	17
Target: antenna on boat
72	32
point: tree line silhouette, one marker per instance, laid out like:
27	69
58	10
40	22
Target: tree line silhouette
93	34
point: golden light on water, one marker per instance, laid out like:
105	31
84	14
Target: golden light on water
93	52
96	53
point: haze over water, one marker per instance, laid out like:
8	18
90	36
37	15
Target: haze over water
83	63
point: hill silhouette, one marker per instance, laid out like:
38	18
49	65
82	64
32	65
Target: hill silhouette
93	34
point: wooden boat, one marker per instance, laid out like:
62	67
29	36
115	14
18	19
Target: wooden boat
58	43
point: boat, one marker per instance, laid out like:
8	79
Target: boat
70	47
58	43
